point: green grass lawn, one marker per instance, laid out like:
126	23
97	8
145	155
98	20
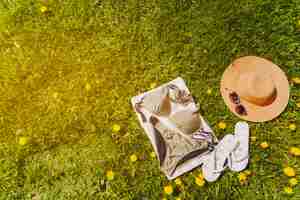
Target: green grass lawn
68	71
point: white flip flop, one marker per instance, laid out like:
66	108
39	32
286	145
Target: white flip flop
239	158
216	160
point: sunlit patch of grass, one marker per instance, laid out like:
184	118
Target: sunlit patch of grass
67	75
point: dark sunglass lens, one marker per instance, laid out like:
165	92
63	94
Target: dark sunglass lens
241	110
234	97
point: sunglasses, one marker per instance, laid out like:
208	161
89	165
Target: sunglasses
235	99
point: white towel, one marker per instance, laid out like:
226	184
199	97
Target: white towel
188	164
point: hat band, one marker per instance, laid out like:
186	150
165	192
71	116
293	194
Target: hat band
261	101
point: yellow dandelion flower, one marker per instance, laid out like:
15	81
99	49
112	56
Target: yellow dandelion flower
178	198
19	131
296	80
43	9
242	177
292	127
116	128
295	151
201	176
293	181
55	95
153	85
164	198
222	125
289	171
133	158
248	172
110	175
253	138
199	181
178	181
209	91
288	190
168	189
23	141
152	154
88	87
17	45
264	145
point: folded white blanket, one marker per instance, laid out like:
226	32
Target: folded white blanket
178	133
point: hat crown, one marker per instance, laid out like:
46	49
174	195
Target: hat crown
257	88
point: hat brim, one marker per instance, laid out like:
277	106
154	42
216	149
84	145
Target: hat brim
256	113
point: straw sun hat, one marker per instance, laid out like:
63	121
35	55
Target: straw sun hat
255	89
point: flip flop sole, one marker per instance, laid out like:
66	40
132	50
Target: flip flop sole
216	161
240	156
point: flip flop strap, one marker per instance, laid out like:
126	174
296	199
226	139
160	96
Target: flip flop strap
215	164
233	152
236	146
